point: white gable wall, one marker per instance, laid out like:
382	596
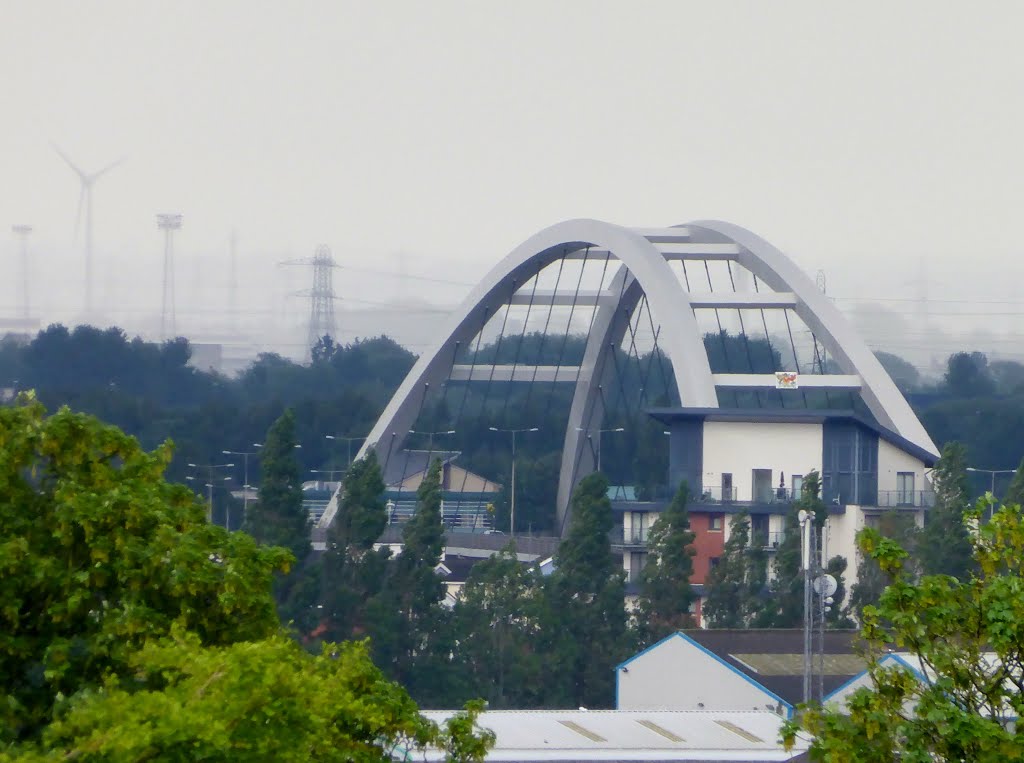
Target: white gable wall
739	447
677	674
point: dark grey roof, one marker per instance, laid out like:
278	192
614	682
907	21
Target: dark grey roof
793	415
407	464
725	643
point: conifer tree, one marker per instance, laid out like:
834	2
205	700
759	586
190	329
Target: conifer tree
784	607
278	517
735	587
585	617
406	621
944	547
497	622
352	571
665	592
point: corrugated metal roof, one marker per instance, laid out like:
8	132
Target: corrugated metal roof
630	735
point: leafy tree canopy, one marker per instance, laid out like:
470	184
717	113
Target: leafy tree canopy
99	554
251	701
965	635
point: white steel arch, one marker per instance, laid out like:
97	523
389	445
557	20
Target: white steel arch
645	253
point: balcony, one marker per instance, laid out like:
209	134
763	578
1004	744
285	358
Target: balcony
729	495
769	541
633	538
905	499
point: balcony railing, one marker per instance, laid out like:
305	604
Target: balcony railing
632	537
717	494
916	499
765	539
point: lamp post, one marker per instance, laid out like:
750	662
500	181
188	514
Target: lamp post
993	473
245	487
512	509
431	436
348	441
600	433
329	472
209	482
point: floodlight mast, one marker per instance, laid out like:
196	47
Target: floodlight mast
23	232
168	223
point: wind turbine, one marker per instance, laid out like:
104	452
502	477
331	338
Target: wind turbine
85	199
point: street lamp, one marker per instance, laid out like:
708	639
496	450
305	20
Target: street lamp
348	440
245	487
600	433
993	473
431	436
209	471
512	510
329	472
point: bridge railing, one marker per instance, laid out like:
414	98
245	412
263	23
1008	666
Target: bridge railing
455	515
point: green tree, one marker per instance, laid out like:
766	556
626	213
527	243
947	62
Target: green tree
406	621
665	592
944	547
871	581
736	585
1015	493
252	701
498	626
784	607
278	517
838	616
966	637
98	555
352	572
584	616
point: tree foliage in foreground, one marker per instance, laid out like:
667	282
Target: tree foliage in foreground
966	636
131	629
98	554
250	701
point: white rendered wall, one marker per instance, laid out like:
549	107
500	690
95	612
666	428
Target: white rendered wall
677	675
739	447
841	540
892	460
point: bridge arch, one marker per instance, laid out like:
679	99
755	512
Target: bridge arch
643	257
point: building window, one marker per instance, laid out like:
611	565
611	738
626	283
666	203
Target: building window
905	488
713	562
797	485
715	522
727	492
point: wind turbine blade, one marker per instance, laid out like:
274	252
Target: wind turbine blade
78	214
106	169
70	163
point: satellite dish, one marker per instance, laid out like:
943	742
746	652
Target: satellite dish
825	585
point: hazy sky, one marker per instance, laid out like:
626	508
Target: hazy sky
861	138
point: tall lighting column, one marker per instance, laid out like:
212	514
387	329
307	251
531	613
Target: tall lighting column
512	508
23	232
168	223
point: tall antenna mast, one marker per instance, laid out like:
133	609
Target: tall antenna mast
233	282
168	223
321	298
23	232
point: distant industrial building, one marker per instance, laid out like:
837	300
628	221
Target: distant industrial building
636	736
733	670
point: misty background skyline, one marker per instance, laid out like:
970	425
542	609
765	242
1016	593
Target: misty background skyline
877	143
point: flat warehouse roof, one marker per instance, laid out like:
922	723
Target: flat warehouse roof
637	736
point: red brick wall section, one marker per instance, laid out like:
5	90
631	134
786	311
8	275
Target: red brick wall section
708	543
